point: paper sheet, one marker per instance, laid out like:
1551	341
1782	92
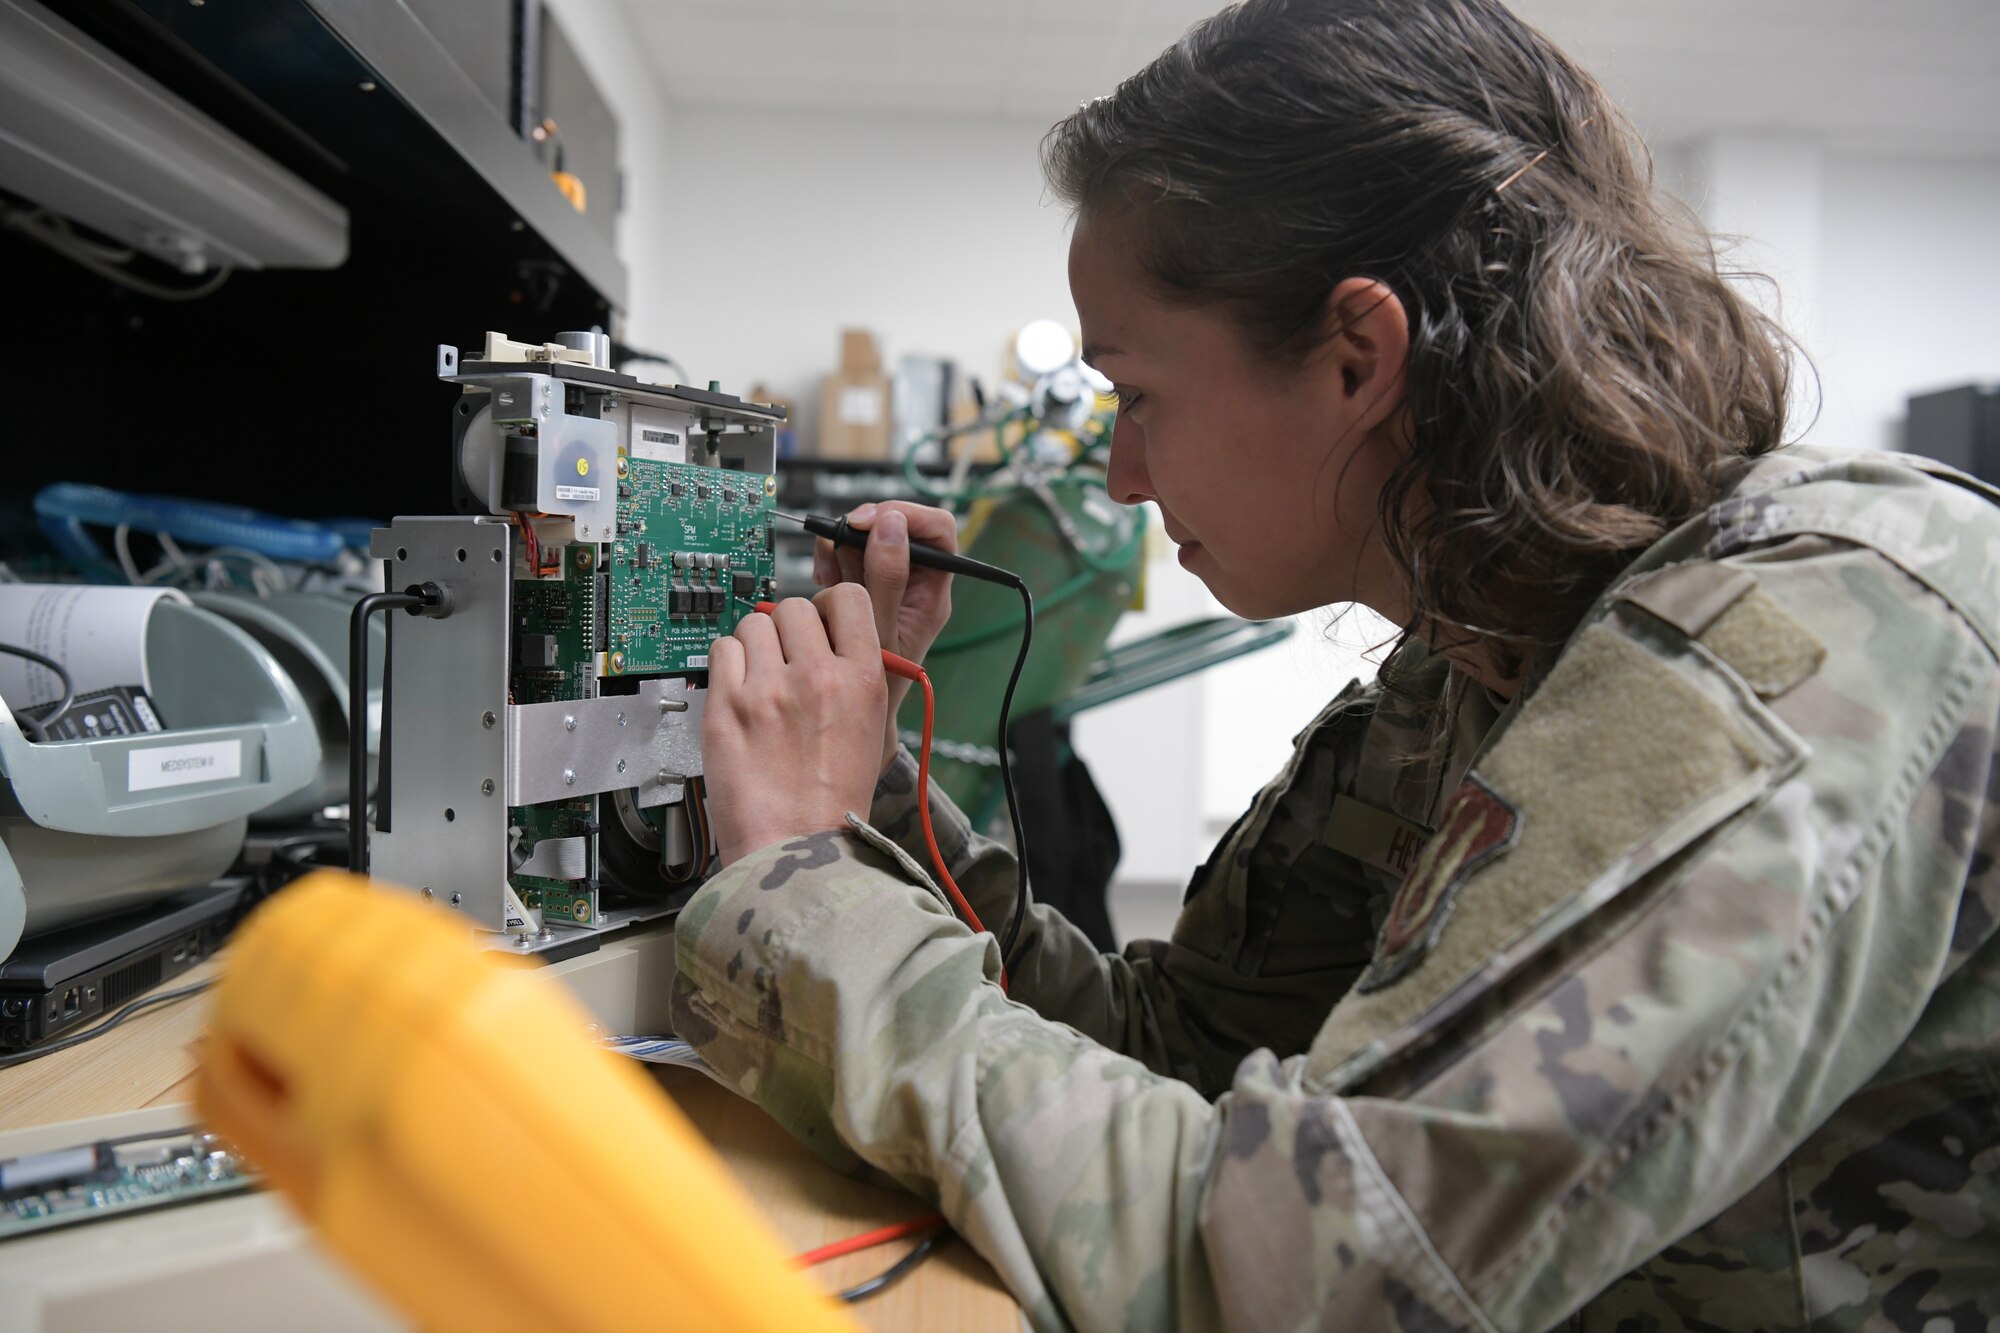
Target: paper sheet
97	633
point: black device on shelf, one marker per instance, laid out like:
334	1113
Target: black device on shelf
55	983
1958	426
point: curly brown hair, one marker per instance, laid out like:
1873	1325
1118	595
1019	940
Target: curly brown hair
1578	364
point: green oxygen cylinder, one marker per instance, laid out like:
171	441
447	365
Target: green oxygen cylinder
1079	553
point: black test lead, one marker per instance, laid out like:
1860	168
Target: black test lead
842	533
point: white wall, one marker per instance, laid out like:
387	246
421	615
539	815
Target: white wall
934	232
1885	267
1910	298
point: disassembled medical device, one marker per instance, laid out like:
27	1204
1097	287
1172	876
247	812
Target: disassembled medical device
542	721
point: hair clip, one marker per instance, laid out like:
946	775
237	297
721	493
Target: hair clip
1536	160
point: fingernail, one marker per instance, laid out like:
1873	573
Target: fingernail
862	513
894	529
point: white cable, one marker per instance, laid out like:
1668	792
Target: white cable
121	541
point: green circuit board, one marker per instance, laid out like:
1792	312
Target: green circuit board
118	1177
694	552
562	899
556	632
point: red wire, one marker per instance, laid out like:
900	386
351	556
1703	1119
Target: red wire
868	1240
924	807
534	551
908	670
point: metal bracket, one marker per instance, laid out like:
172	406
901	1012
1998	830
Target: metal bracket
649	741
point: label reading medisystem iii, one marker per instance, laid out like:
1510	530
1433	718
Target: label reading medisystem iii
179	765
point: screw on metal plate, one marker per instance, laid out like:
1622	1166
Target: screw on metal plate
425	892
487	720
455	899
621	765
665	778
486	787
569	723
617	661
569	776
621	719
584	557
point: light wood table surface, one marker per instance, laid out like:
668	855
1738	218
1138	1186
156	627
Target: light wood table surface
149	1061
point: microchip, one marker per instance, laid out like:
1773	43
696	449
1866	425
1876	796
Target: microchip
679	490
677	600
643	555
728	496
746	586
624	491
701	492
770	537
716	601
535	652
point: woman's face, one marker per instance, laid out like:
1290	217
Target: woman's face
1266	476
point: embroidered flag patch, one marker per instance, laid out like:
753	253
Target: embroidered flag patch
1478	825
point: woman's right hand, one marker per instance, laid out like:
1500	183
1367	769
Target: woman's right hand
911	603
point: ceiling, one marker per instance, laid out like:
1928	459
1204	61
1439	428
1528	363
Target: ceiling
1922	76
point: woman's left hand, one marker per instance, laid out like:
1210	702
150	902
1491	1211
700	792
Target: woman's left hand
792	733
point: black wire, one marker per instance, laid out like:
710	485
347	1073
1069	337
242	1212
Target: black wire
1007	775
897	1271
78	1038
357	719
624	352
39	726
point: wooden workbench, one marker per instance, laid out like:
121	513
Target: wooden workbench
149	1061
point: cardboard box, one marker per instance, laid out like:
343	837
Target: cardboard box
788	432
854	416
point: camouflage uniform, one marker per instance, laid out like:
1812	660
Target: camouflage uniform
1684	1015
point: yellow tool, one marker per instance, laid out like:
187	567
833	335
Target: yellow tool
440	1115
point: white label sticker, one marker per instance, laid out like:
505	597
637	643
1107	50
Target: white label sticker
697	661
588	493
860	405
657	445
178	765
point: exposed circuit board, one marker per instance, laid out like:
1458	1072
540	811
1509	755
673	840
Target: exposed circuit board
115	1178
693	553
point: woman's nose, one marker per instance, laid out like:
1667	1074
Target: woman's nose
1126	478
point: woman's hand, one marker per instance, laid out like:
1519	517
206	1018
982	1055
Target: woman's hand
793	723
911	603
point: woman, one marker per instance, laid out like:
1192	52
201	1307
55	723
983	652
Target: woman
1684	1014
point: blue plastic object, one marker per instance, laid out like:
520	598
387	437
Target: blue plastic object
66	507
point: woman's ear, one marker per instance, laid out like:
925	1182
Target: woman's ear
1369	348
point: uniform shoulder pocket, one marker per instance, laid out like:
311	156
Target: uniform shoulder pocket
1640	742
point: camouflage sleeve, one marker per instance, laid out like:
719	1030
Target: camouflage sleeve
1126	1003
1228	982
1701	987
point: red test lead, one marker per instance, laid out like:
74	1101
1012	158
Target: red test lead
908	670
